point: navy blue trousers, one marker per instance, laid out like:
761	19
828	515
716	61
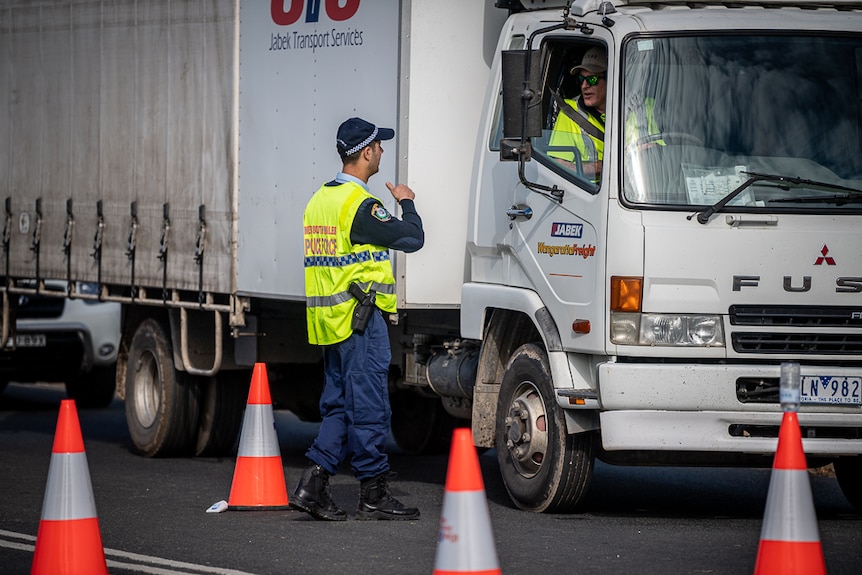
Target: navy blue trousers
354	404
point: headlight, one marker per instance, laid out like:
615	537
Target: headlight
667	330
625	328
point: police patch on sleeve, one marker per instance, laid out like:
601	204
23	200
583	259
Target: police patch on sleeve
380	213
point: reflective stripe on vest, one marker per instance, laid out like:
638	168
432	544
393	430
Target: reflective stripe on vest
332	263
567	133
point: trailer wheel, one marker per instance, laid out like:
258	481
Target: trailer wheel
544	468
95	389
161	406
848	470
223	399
421	425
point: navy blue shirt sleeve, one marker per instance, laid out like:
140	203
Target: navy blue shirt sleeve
373	224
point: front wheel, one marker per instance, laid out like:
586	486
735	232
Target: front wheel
161	404
544	468
848	471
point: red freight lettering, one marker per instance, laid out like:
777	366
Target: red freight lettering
339	13
334	10
282	18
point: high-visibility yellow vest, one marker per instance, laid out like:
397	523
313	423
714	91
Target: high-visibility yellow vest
567	133
332	263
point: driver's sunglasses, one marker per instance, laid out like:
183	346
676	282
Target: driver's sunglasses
591	80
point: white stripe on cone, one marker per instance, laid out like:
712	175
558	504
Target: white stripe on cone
465	541
69	493
258	437
790	514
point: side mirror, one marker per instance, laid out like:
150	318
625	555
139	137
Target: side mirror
520	121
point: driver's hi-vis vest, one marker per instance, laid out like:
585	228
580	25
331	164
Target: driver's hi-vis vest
567	133
332	263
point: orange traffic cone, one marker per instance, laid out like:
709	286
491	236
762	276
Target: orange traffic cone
68	540
258	478
465	543
789	538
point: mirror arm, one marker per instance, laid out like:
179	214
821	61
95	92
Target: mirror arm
553	193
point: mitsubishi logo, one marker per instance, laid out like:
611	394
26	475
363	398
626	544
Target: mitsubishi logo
830	261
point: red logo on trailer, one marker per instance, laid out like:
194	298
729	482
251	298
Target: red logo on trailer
287	12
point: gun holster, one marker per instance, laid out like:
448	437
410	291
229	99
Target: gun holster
363	310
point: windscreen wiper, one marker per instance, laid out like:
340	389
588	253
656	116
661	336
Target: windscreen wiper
754	177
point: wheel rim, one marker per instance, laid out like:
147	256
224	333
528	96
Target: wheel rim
527	430
147	391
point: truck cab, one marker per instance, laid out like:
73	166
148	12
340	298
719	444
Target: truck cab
640	314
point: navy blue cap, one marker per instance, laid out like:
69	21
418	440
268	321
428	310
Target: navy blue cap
355	133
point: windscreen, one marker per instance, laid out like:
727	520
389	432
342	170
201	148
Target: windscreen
776	115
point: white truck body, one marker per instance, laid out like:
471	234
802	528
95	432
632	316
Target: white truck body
165	150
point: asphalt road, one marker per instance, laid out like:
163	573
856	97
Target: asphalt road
153	520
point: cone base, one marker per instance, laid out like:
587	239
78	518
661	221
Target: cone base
789	558
258	483
486	572
69	547
258	507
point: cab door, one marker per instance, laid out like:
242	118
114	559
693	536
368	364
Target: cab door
559	243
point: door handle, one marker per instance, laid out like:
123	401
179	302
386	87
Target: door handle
519	211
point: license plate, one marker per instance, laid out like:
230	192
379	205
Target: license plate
831	389
28	340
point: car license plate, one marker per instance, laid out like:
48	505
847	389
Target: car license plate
831	389
28	340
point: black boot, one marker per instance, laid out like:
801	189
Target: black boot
375	502
312	495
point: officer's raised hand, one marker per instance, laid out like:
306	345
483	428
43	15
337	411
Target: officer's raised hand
400	192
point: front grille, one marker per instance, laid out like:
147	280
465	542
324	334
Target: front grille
797	318
798	343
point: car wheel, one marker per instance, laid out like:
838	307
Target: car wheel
95	389
161	407
544	468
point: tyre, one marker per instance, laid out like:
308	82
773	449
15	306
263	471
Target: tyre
544	469
848	470
161	406
421	425
95	389
222	402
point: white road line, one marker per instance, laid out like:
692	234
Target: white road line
18	546
167	566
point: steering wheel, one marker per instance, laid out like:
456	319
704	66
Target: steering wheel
665	138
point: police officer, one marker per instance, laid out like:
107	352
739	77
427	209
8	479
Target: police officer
349	285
